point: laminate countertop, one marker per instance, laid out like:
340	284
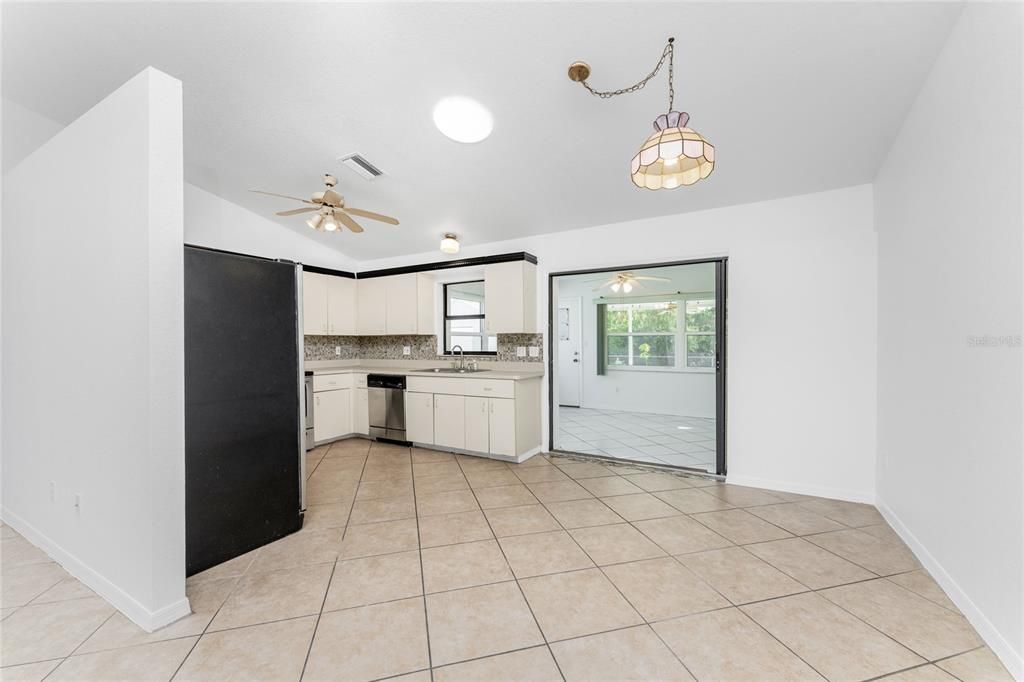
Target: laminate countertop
506	373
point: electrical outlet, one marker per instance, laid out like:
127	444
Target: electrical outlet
520	351
53	491
406	350
534	351
337	351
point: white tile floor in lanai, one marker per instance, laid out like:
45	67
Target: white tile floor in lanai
639	436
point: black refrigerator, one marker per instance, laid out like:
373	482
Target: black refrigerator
243	405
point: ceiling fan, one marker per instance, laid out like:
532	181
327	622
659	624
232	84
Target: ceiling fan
627	281
331	211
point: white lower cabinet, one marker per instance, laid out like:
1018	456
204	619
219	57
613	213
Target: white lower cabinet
419	417
450	421
332	414
501	423
477	429
487	416
491	425
361	411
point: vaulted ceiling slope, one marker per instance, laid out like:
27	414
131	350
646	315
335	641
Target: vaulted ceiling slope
796	98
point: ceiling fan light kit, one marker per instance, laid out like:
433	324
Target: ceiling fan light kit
627	281
674	156
331	210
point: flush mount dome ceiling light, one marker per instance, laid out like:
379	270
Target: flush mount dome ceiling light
450	244
463	119
674	155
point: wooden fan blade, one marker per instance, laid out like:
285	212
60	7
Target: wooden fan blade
332	198
654	279
283	196
372	216
296	211
348	222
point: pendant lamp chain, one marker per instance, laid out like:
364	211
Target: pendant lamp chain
669	54
674	155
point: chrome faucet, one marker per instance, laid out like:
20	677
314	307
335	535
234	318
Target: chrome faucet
462	356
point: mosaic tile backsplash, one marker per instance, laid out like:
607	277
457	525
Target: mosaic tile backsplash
422	347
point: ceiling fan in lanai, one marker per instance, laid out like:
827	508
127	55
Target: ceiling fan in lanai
330	209
627	281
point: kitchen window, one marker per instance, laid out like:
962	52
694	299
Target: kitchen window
671	335
464	313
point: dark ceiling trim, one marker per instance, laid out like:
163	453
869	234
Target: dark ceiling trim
406	269
328	271
448	264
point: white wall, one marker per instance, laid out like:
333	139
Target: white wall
93	340
219	224
683	393
802	421
209	220
24	131
948	214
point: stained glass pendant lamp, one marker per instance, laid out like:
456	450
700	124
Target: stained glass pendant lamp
674	156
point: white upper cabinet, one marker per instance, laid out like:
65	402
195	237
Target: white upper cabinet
426	287
328	304
397	305
402	300
510	290
371	308
341	306
314	303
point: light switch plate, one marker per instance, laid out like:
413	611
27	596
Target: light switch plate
406	350
534	351
520	351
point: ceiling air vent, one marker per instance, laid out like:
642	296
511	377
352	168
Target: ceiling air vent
358	163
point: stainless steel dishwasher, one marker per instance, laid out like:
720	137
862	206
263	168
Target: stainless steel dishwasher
386	393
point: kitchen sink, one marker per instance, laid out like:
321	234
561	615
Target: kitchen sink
456	370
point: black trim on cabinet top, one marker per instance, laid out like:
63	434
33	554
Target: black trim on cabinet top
328	271
449	264
405	269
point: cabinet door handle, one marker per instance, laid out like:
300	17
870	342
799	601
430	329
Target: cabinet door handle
492	408
318	400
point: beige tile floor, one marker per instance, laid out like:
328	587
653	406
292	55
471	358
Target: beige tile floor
419	566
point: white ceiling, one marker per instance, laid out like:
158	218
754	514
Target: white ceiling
796	97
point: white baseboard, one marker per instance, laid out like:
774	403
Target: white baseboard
800	489
1012	659
527	455
118	598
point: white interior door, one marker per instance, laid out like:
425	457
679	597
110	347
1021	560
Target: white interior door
570	352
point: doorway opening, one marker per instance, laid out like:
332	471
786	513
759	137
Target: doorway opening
637	364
